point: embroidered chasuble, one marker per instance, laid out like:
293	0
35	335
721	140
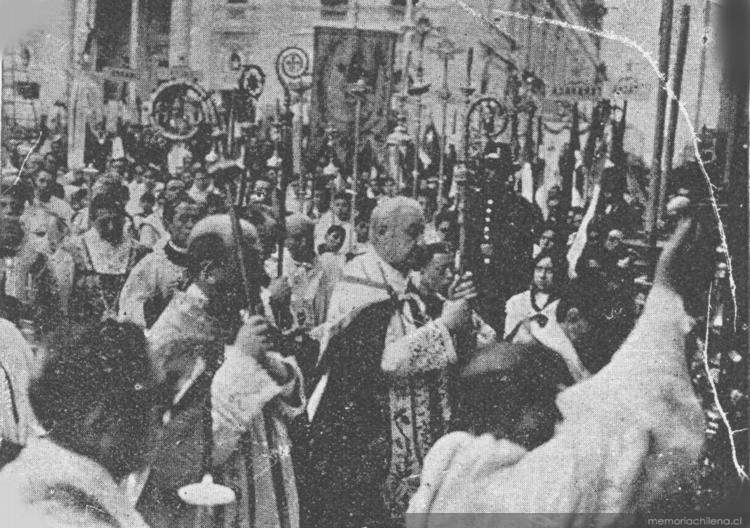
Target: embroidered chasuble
382	399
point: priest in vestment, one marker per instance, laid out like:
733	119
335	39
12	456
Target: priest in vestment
382	399
249	389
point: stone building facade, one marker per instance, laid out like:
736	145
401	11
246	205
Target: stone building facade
154	40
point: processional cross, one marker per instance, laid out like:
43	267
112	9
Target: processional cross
447	51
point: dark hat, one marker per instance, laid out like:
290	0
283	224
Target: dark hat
519	363
509	390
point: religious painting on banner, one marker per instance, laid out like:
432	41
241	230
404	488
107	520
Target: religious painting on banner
341	57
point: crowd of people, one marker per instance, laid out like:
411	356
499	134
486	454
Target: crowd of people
370	383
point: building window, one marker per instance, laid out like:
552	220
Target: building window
333	9
25	57
235	61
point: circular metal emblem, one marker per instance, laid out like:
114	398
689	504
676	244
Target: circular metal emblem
178	108
292	63
486	120
253	80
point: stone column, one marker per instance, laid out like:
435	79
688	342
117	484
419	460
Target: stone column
85	13
179	33
203	54
134	53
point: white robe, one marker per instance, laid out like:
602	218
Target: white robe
48	486
242	396
155	275
630	435
17	361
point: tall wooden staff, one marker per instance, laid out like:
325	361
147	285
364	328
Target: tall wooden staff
280	164
665	44
300	86
679	66
459	177
358	91
424	26
446	50
467	90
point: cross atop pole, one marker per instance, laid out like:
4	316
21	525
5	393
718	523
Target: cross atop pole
447	51
424	28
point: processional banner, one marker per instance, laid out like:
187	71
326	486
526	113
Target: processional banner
341	57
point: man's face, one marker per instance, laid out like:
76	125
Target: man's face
398	238
50	164
10	205
271	175
390	189
268	234
544	275
341	209
148	207
300	246
374	184
547	240
423	204
262	189
185	217
317	199
33	164
43	182
438	274
613	240
109	224
362	230
187	177
334	241
202	180
444	229
119	166
173	189
578	329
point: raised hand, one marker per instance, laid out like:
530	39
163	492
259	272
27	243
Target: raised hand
256	337
463	288
686	262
